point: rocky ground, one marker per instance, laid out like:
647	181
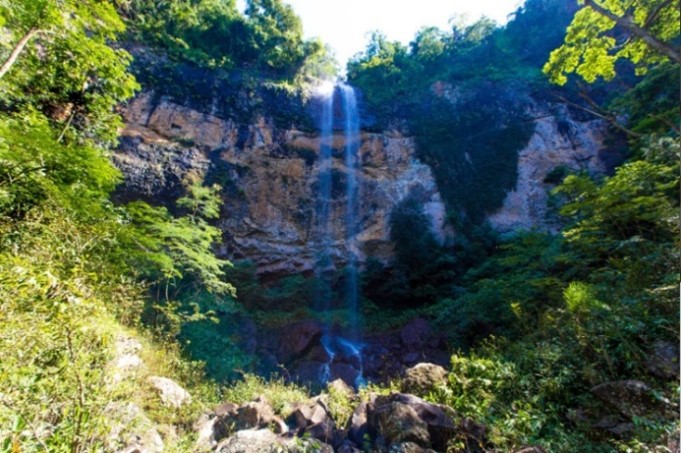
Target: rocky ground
394	419
296	350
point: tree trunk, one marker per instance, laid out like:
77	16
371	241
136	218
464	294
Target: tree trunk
7	65
644	35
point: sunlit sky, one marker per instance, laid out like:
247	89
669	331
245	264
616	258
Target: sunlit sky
346	24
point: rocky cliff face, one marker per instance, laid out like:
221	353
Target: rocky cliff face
270	177
269	172
560	143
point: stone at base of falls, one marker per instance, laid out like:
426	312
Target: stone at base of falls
339	387
398	418
298	347
313	419
423	378
298	338
265	441
227	417
398	422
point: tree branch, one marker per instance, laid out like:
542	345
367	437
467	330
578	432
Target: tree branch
628	24
607	118
656	12
7	65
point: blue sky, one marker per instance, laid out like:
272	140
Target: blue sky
345	24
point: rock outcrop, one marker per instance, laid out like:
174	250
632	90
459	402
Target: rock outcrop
299	348
560	143
270	178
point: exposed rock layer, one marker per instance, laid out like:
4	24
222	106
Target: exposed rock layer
269	177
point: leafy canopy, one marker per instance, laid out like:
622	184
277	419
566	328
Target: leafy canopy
70	72
603	32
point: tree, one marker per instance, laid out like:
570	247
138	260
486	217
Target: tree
73	76
605	31
277	34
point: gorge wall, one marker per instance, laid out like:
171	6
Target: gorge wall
269	177
269	170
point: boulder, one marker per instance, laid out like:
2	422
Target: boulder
398	422
206	435
130	426
314	419
474	433
423	378
631	398
339	387
252	441
439	427
127	361
358	427
614	425
663	362
255	414
170	392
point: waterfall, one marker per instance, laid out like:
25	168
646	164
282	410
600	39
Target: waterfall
343	351
352	143
322	301
324	197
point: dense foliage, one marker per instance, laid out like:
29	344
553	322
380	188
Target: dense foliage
74	268
267	42
537	319
644	33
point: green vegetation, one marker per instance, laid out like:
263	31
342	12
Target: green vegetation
276	390
644	32
540	319
74	268
267	42
537	319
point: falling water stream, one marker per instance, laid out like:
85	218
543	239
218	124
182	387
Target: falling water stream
338	347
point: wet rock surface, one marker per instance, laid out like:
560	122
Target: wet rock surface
303	351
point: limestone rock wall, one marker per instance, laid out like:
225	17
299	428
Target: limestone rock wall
559	140
270	180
